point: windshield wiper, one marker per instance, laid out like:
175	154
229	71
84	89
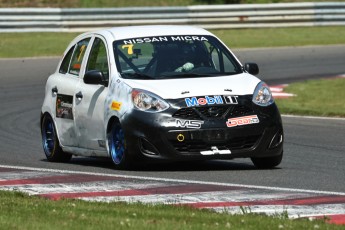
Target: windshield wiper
136	75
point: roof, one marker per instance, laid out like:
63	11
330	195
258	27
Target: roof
120	33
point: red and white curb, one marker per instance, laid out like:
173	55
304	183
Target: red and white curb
340	76
278	91
221	197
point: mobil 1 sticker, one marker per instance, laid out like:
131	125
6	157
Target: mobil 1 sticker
211	100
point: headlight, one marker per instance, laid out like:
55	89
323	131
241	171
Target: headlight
148	102
262	95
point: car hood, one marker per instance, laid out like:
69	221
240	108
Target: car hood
240	84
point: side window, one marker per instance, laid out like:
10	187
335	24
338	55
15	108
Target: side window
229	67
222	61
78	56
98	59
215	55
65	62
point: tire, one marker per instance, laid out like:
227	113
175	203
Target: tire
267	162
50	142
117	146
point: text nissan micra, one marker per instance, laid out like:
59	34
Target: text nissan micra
158	92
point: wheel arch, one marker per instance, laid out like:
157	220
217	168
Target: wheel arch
44	114
56	129
111	121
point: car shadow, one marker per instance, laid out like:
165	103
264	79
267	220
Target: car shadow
209	165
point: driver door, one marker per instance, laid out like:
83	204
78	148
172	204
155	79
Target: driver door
89	109
63	87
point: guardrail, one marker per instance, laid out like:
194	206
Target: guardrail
206	16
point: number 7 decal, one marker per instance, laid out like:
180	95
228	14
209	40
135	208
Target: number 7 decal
129	47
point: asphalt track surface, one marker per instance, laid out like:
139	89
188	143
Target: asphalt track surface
313	152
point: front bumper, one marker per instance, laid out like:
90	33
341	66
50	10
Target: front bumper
178	134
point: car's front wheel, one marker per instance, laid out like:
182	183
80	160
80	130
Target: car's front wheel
267	162
117	146
50	142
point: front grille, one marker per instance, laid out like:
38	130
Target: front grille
236	143
187	113
213	112
241	110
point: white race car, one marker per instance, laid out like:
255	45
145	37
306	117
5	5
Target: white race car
158	92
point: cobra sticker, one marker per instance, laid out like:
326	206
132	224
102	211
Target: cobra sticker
211	100
115	105
64	106
246	120
190	124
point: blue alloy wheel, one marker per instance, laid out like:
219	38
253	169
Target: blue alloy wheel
48	136
50	142
117	146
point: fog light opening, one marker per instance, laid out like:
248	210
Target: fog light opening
276	140
148	148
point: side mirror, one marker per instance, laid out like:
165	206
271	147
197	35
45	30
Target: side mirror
251	68
95	77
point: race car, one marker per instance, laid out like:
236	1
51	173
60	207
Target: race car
149	93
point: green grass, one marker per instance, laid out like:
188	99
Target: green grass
316	98
34	44
19	211
52	44
274	37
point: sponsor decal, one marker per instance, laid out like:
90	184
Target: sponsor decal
211	100
64	106
207	100
115	105
246	120
164	39
214	150
188	38
231	100
76	66
190	124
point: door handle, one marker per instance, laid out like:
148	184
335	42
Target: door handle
55	90
79	95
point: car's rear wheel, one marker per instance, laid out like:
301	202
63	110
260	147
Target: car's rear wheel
117	146
267	162
50	142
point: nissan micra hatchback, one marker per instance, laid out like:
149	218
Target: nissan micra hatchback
158	92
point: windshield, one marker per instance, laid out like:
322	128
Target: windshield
167	57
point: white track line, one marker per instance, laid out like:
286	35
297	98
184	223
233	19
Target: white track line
176	180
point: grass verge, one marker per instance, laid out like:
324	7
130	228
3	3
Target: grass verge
19	211
53	44
315	97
